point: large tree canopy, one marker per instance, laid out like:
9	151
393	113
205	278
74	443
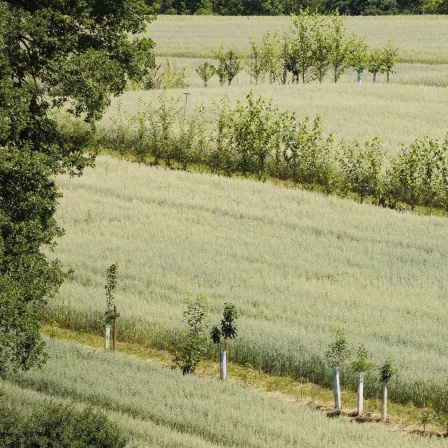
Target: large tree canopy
70	55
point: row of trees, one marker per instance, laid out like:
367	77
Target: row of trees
339	352
312	47
194	345
286	7
255	139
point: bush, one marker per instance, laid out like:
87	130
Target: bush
11	427
59	426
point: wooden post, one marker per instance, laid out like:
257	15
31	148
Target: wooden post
185	108
114	344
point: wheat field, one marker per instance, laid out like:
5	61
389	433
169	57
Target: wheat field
420	39
161	408
296	265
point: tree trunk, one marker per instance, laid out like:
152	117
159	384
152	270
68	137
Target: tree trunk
374	78
359	79
337	388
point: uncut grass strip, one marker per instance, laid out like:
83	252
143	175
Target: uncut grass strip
142	433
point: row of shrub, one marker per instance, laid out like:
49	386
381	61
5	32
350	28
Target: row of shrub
59	426
254	139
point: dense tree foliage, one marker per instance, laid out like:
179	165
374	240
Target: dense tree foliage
436	6
69	55
278	7
56	425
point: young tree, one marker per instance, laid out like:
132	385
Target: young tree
294	139
301	37
228	330
256	65
361	366
220	56
357	58
271	50
362	167
206	71
389	55
444	174
321	47
375	63
387	371
317	166
341	45
111	284
111	313
416	174
223	157
308	155
193	344
254	126
232	65
71	55
337	354
229	64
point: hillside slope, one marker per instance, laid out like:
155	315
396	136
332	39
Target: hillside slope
296	265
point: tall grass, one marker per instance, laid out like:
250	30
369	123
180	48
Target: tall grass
159	407
295	264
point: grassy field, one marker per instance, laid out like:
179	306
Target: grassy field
413	104
161	408
296	265
420	39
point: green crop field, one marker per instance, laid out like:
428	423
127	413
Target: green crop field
159	407
296	264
